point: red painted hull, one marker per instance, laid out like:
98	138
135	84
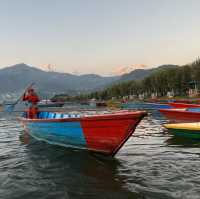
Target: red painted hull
181	115
184	105
109	135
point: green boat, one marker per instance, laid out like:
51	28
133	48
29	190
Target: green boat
189	130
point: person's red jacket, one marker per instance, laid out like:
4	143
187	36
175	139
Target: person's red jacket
34	99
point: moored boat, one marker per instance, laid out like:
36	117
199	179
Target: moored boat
183	115
157	106
135	105
49	103
7	105
190	130
104	133
145	105
183	105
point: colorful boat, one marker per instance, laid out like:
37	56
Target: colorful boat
105	133
145	105
135	105
183	105
183	115
189	130
158	106
49	103
7	106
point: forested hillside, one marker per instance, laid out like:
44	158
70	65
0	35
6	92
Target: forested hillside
177	80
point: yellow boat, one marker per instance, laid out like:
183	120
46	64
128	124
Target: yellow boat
190	130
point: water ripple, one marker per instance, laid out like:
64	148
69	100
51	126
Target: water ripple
152	164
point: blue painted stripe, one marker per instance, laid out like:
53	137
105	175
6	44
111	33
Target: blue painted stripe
161	106
193	110
60	133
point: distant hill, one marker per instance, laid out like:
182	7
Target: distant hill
15	78
161	80
142	73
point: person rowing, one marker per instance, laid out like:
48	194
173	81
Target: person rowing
32	98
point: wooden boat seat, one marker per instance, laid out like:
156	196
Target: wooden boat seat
50	115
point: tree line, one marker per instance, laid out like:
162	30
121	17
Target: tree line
177	80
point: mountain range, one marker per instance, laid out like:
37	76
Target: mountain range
15	78
138	74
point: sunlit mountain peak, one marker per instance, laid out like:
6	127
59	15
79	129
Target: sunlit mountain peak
121	70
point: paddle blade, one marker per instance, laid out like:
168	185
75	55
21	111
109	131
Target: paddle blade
9	108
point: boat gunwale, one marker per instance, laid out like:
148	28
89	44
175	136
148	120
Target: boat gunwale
183	126
174	104
178	110
114	116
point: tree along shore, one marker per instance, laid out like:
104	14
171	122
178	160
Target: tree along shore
174	80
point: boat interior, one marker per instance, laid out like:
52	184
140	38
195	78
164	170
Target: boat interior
51	115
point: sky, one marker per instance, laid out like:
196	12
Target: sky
98	36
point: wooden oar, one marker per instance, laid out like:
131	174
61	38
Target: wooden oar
9	108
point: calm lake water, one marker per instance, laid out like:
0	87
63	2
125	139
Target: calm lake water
151	165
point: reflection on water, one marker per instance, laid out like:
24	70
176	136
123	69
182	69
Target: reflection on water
182	142
74	173
151	165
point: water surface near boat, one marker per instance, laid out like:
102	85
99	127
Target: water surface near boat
152	164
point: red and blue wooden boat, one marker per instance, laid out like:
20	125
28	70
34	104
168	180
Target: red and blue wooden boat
104	133
182	115
183	105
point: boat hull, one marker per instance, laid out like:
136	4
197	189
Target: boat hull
105	133
135	105
181	115
154	106
184	130
49	105
186	133
158	106
183	105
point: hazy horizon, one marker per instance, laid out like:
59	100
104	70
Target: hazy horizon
99	37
